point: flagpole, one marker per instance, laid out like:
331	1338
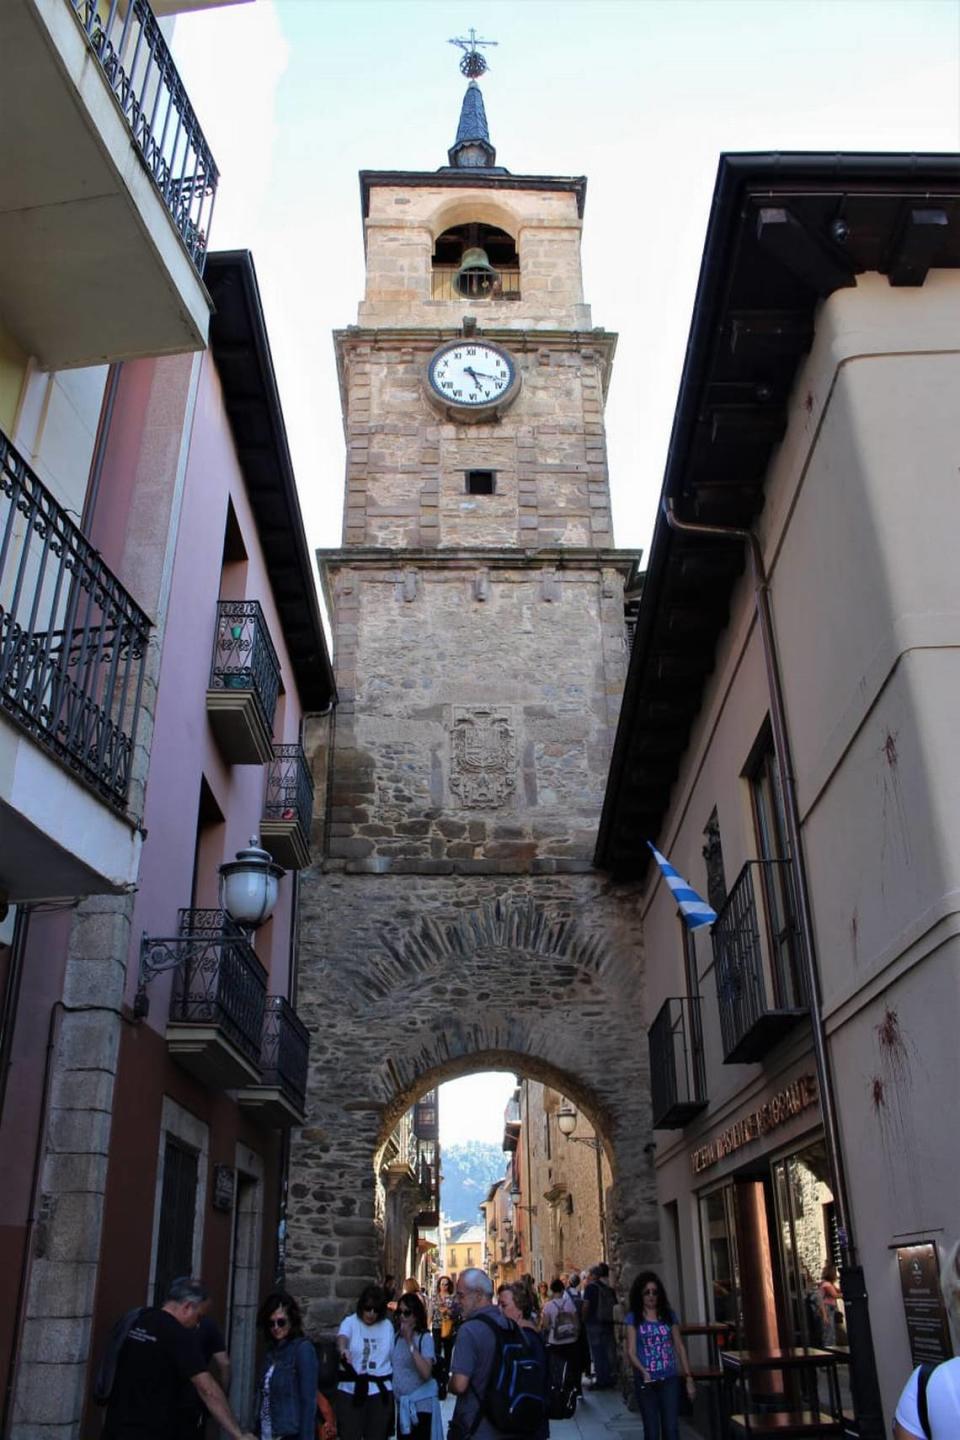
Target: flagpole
863	1366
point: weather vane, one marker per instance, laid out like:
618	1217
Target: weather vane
473	63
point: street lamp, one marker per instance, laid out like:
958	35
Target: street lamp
567	1124
248	893
249	885
515	1193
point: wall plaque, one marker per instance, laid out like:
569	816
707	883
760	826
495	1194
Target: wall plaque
923	1305
224	1187
483	756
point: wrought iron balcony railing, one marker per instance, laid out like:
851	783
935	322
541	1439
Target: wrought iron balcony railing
443	288
284	1050
289	787
218	979
678	1089
244	657
139	69
73	643
760	991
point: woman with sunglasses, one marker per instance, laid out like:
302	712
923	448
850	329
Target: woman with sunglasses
286	1403
657	1357
446	1318
414	1354
365	1389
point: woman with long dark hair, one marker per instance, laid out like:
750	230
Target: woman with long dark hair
287	1389
365	1390
418	1404
657	1357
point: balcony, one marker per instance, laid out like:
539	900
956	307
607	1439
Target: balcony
216	1023
677	1084
280	1097
760	991
106	186
443	288
244	684
73	648
288	808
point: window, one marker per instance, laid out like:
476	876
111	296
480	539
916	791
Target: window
178	1209
481	482
776	872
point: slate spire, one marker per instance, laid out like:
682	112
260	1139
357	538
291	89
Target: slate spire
472	147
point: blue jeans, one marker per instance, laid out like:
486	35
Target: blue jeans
659	1406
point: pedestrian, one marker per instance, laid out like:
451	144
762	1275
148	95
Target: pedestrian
159	1358
286	1403
365	1391
576	1295
445	1317
414	1385
560	1326
599	1299
934	1389
829	1303
214	1350
658	1358
473	1360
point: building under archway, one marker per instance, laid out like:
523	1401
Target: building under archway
452	920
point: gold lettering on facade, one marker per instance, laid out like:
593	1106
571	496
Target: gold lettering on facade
773	1113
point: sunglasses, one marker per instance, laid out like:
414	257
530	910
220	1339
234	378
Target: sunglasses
279	1324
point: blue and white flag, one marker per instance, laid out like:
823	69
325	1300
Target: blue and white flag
695	911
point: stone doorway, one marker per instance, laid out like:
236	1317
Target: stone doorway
405	989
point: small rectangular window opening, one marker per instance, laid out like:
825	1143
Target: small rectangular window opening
481	482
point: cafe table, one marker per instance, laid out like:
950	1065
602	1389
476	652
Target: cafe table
751	1411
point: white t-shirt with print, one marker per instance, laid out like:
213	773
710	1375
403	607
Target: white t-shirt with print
369	1348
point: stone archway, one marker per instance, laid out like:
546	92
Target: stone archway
403	988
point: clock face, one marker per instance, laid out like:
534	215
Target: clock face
474	374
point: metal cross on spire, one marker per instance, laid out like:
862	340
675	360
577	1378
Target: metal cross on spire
473	63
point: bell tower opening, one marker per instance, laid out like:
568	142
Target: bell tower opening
477	262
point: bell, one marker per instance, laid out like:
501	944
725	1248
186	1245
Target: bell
476	275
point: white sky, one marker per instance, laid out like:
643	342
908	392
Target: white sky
641	96
472	1108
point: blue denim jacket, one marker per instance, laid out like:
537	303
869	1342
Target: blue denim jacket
293	1389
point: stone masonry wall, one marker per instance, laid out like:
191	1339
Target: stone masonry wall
405	482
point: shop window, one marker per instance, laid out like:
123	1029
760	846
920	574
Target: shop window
720	1269
806	1229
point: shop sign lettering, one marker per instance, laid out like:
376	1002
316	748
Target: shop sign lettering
772	1113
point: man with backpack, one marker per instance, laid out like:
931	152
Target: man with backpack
599	1301
930	1403
498	1370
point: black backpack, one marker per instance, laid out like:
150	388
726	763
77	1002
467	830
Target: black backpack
107	1369
923	1414
517	1397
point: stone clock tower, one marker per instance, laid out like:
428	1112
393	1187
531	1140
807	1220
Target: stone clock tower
452	920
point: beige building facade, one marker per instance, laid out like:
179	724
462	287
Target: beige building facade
564	1182
829	400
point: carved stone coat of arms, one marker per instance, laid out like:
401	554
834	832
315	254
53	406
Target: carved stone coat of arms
483	756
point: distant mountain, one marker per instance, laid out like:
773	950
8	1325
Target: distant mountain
469	1169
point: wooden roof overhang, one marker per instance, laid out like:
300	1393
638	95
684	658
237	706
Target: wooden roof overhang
241	352
785	231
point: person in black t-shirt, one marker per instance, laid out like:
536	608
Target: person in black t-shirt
160	1355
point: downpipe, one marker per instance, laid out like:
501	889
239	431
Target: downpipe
863	1366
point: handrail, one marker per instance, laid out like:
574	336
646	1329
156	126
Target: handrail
139	69
73	643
